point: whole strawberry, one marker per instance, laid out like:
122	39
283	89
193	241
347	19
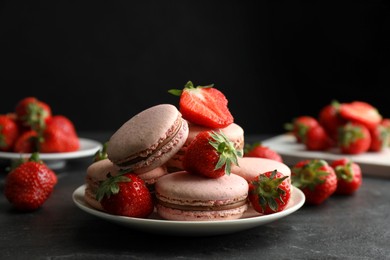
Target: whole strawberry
316	178
204	105
30	184
269	192
258	150
27	142
330	119
380	137
354	138
300	125
9	132
32	113
317	139
210	154
349	176
125	195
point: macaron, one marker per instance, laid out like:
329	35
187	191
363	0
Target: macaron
183	196
148	139
98	171
251	167
233	132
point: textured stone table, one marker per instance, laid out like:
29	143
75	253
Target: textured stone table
353	227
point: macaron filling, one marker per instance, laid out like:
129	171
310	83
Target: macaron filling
211	206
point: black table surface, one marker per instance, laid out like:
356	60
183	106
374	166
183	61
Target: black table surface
353	227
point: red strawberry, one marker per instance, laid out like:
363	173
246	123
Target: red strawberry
361	112
349	176
317	139
32	113
210	154
27	142
56	140
316	178
258	150
30	184
380	137
63	123
330	119
125	195
300	125
269	192
354	138
204	105
9	132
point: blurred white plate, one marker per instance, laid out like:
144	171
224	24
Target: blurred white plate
371	163
88	147
154	224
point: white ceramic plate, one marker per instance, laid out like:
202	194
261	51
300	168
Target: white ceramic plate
154	224
88	147
371	163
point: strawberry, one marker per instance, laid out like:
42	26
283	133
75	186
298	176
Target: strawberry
316	178
9	132
210	154
27	142
354	138
317	139
258	150
386	124
32	113
63	123
380	136
56	139
126	195
269	192
361	112
300	125
330	119
204	105
30	184
349	176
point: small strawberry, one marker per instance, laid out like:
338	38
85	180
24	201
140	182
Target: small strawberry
354	138
30	184
258	150
210	154
317	139
361	112
32	113
349	176
125	195
330	119
9	132
316	178
269	192
204	105
380	137
27	142
300	125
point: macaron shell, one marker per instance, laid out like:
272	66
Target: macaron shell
251	167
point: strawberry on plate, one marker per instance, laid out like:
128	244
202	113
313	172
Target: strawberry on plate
27	142
30	184
361	112
261	151
349	176
317	139
9	132
380	137
204	105
300	125
269	192
32	113
126	195
330	119
58	139
210	154
315	178
354	138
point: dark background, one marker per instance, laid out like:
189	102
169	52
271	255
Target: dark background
101	62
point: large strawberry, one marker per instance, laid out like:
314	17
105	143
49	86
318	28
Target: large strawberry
300	125
316	178
354	138
210	154
317	139
361	112
269	192
349	176
204	105
30	184
261	151
9	132
330	119
125	195
32	113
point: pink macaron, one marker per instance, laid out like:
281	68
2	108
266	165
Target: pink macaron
148	139
250	167
188	197
233	132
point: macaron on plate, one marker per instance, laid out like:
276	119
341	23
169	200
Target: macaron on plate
155	224
55	161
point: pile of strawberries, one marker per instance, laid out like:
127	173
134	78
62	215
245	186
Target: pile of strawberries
352	127
32	127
